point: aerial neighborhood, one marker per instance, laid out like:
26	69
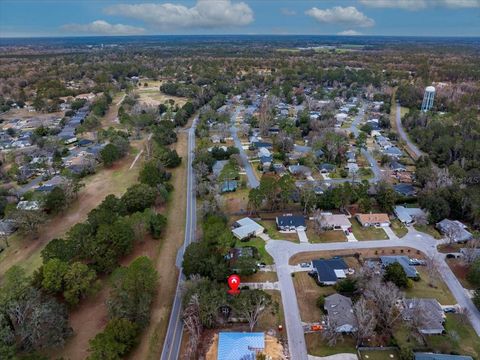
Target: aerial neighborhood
234	198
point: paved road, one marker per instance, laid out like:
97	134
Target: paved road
282	251
404	135
173	338
252	179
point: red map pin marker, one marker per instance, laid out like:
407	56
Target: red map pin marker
234	283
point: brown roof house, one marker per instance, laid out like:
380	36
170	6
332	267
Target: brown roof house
367	220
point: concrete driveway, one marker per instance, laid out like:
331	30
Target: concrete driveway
302	236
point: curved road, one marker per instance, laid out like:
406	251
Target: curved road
282	251
404	135
173	338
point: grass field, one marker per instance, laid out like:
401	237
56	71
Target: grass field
327	236
390	354
422	289
308	292
398	228
428	229
368	233
316	346
260	245
275	234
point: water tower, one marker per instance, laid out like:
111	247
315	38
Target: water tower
428	97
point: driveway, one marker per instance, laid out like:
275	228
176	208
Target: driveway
414	148
391	235
302	236
282	251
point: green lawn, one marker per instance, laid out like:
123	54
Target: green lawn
368	233
422	289
327	236
460	338
260	245
398	228
229	172
428	229
318	347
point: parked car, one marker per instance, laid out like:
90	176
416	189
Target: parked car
305	265
347	232
449	309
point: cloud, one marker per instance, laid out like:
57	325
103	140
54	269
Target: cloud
288	12
341	15
420	4
205	14
349	33
101	27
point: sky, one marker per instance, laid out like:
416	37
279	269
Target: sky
32	18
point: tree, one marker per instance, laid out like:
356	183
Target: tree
476	298
432	268
474	273
156	225
15	285
53	272
245	266
395	273
191	320
346	286
329	332
250	304
109	154
199	259
152	173
386	196
56	200
113	343
39	322
78	282
61	249
132	291
138	197
28	221
366	320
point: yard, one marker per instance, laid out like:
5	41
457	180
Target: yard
428	229
398	228
422	289
327	236
259	244
460	269
368	233
460	338
272	231
235	202
271	319
388	354
316	346
308	292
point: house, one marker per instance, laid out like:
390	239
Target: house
340	313
367	220
7	227
28	205
264	152
261	144
427	314
404	261
472	254
432	356
408	215
352	168
291	223
319	153
300	170
266	161
351	157
396	166
326	168
239	252
404	189
240	345
246	228
279	169
393	151
228	186
336	221
454	229
327	272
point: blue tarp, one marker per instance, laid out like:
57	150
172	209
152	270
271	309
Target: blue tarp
237	345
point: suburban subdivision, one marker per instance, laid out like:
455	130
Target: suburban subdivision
239	197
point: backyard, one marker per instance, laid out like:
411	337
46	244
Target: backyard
398	228
422	289
316	346
259	244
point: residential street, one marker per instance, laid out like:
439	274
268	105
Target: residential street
404	135
282	251
173	338
252	179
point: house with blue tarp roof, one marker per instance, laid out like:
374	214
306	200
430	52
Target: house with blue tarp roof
239	345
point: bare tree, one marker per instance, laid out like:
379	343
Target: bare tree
319	222
191	319
330	333
471	250
432	268
308	196
416	316
366	319
452	233
386	296
250	304
28	221
265	115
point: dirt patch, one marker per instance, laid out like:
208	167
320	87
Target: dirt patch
364	253
460	269
308	292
